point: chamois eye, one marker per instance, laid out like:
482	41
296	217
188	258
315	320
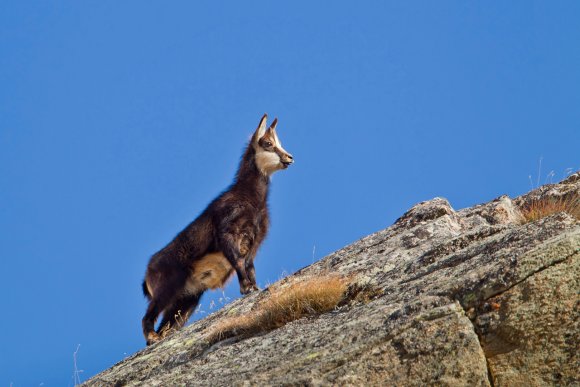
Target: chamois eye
267	143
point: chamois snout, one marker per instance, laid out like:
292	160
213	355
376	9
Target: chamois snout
286	159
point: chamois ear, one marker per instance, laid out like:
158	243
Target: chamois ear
273	126
272	131
261	128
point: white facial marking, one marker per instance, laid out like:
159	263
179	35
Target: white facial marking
278	143
282	149
276	140
267	162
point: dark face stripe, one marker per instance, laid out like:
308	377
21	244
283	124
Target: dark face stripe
283	155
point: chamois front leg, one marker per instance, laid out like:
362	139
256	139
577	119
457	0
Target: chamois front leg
251	273
235	253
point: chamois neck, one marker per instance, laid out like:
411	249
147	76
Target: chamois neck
249	178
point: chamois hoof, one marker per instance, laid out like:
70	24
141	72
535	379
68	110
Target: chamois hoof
249	289
153	338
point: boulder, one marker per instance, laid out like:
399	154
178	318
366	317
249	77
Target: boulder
474	297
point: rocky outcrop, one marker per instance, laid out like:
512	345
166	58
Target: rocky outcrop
475	297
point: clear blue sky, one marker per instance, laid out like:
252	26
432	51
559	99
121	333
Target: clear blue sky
120	121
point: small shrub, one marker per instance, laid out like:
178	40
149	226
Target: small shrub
540	208
283	305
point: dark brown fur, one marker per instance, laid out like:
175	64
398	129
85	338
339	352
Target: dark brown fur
224	239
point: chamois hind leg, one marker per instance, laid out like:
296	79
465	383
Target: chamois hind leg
177	314
148	321
166	285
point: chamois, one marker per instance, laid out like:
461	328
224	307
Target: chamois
223	239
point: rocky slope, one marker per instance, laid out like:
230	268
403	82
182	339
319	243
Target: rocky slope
473	297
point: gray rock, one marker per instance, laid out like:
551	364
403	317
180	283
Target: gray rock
457	298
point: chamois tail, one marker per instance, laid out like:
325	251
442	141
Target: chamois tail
146	290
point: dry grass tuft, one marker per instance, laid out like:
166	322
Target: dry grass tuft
310	297
541	208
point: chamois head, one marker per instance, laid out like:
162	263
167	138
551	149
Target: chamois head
270	156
